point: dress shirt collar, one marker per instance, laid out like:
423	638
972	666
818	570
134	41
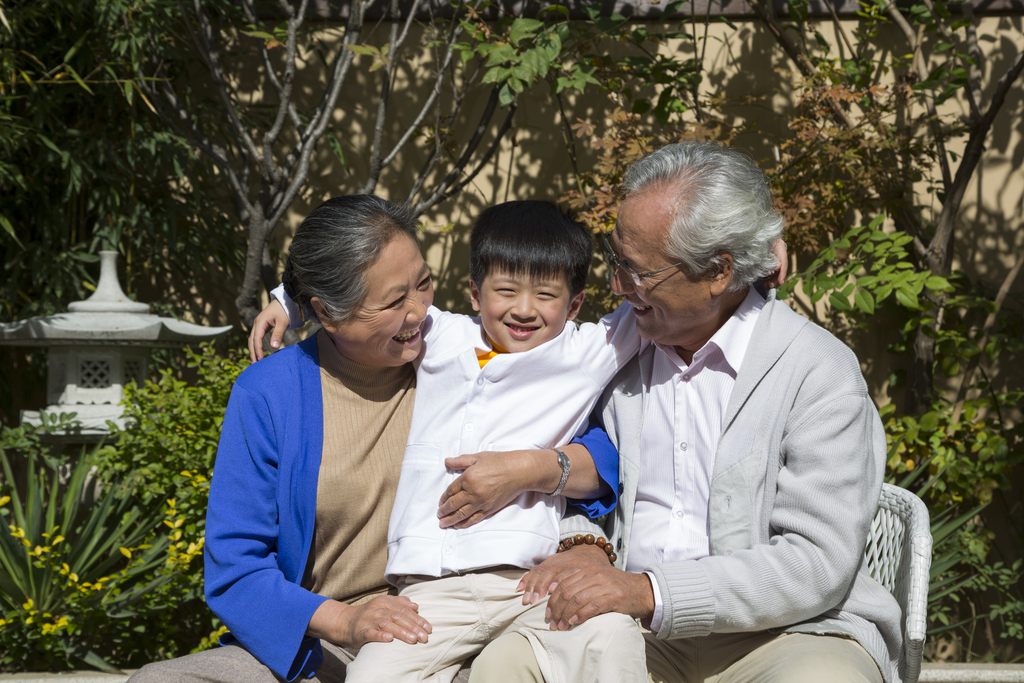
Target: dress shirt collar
731	338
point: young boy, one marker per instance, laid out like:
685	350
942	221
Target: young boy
521	375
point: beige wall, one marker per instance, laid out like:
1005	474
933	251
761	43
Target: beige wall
740	63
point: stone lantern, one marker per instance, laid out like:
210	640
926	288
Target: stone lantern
97	347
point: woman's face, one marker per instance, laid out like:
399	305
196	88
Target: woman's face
386	330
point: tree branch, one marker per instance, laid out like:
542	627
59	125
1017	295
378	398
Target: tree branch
207	48
271	170
986	332
442	192
915	40
293	114
939	251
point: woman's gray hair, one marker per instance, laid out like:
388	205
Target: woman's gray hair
336	244
724	205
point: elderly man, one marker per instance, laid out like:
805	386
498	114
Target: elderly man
751	455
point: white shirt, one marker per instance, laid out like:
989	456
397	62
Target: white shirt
535	399
682	425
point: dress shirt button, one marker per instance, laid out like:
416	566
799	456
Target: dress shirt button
682	445
686	377
447	550
679	514
621	488
469	427
479	381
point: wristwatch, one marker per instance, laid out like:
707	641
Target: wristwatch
563	462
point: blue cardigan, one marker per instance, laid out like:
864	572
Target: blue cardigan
260	520
259	524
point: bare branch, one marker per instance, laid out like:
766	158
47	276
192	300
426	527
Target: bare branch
385	93
939	250
915	40
441	191
766	13
429	103
948	35
182	122
974	50
270	137
205	42
293	114
321	118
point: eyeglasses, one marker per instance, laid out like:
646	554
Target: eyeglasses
635	277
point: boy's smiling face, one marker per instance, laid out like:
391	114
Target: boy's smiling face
520	312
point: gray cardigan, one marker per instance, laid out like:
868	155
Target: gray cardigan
795	485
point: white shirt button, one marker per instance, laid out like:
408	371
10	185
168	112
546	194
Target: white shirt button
682	446
679	514
479	381
447	550
469	427
686	377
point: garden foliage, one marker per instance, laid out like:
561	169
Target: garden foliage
116	582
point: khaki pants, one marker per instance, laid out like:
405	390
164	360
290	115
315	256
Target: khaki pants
467	612
719	658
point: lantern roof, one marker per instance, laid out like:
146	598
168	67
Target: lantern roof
108	317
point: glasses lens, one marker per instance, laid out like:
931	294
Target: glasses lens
633	276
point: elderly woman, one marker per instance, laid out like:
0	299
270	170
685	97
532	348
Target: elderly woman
309	459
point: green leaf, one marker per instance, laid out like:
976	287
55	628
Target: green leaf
865	302
937	282
550	45
74	48
368	50
839	302
78	79
505	96
522	28
907	298
9	229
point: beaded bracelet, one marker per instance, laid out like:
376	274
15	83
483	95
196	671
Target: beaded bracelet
580	539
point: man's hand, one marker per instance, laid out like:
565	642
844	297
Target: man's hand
542	579
274	316
583	584
489	482
382	619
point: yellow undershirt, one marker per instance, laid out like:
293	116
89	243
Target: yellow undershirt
484	356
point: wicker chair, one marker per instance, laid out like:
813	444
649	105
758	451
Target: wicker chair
899	554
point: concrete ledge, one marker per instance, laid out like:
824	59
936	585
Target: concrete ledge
930	673
972	673
67	677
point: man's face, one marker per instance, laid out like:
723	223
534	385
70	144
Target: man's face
520	312
671	309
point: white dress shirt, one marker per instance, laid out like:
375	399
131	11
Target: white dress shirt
682	425
539	398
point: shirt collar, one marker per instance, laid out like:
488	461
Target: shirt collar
732	338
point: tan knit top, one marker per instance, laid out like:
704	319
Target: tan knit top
367	412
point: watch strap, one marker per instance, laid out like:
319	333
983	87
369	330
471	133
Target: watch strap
563	462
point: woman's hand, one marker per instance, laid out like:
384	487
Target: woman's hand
274	316
489	482
382	619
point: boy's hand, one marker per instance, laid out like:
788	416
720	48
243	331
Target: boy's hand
274	316
488	483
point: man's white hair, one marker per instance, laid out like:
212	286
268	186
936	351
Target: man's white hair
723	204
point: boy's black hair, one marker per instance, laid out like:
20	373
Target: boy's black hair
531	238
